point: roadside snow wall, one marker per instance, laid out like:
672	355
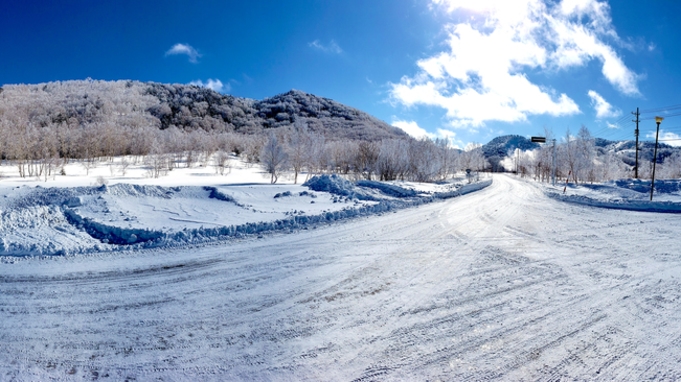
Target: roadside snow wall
45	221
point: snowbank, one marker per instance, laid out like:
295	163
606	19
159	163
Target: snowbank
337	185
624	194
67	220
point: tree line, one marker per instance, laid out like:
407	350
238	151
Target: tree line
579	160
45	127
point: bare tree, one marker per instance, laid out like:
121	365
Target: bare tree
316	156
157	160
424	160
585	156
365	160
447	158
221	161
273	157
473	159
392	162
341	155
297	148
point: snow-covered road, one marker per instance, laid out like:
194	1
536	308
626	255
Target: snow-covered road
500	284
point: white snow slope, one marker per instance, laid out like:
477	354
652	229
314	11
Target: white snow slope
501	284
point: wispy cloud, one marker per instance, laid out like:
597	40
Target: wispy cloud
213	84
602	107
184	49
331	48
482	75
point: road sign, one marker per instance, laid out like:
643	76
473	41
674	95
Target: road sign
539	139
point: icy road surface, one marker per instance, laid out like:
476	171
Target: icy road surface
501	284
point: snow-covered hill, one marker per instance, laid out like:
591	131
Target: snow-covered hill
186	107
499	148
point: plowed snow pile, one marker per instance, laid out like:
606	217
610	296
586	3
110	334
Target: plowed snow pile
624	194
65	220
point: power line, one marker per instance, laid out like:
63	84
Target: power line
608	132
665	116
663	108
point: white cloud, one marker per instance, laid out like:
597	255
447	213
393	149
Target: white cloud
612	125
576	44
447	134
185	49
412	128
482	75
602	107
666	137
671	139
331	47
450	136
213	84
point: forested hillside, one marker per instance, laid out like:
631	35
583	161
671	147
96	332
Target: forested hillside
44	126
187	107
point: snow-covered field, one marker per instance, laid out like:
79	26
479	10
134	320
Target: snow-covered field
504	283
94	212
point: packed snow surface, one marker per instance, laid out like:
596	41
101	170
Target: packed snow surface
505	283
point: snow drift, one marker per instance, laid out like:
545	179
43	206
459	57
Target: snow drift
68	220
623	194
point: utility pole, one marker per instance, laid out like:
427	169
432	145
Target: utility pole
652	182
636	134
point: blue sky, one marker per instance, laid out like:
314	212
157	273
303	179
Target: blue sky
468	70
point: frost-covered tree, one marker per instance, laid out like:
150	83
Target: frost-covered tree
316	156
273	157
424	160
297	148
158	161
473	158
221	162
365	159
448	158
392	162
341	155
585	152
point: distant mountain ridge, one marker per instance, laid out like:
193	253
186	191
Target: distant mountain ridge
499	148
